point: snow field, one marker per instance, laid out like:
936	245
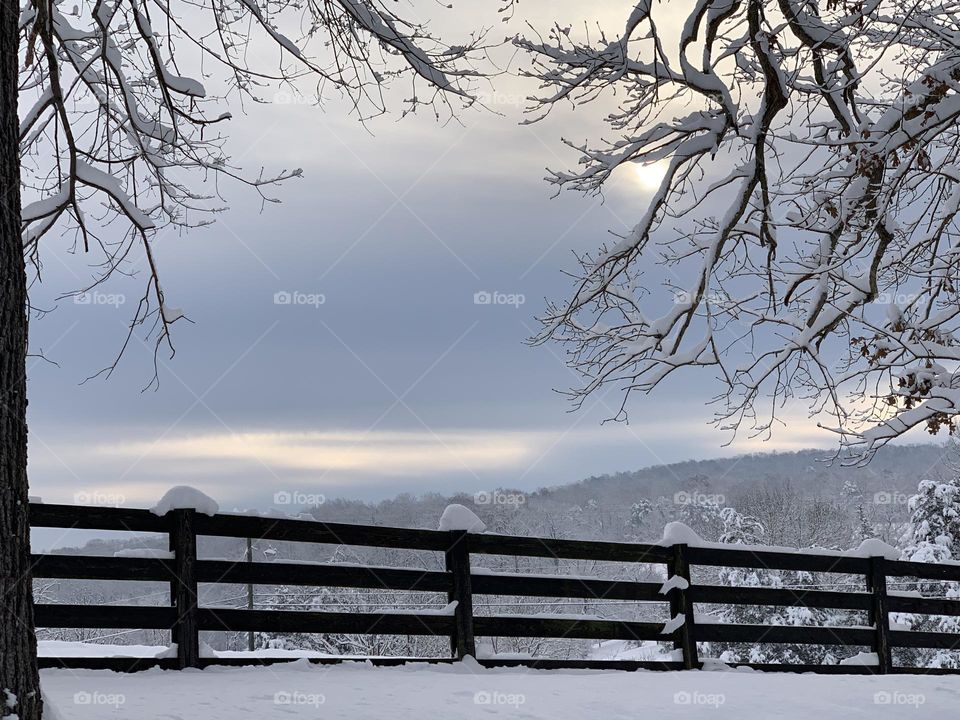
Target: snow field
359	691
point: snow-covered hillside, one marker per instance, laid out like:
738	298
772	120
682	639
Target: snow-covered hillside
358	691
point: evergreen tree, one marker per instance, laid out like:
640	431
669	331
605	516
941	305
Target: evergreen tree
639	512
864	529
933	535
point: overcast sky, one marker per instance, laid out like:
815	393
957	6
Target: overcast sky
382	374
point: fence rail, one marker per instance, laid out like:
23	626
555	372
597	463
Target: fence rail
186	618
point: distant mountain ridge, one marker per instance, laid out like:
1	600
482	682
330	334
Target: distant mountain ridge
894	468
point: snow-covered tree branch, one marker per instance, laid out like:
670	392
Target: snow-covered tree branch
802	242
119	124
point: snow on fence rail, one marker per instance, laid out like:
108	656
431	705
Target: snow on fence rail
185	618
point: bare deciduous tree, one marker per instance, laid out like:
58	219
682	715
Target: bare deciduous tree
116	137
802	242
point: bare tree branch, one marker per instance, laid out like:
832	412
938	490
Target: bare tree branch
112	132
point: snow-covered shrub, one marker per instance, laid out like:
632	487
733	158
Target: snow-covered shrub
740	529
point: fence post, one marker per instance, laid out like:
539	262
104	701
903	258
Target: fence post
457	559
250	635
879	613
183	590
681	604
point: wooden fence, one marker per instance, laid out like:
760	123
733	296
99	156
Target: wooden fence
186	618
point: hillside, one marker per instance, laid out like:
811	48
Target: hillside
813	472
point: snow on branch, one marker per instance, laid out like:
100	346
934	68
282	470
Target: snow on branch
803	241
120	122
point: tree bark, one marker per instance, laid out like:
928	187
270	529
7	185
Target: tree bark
18	651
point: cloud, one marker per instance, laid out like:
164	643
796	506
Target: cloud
241	467
383	453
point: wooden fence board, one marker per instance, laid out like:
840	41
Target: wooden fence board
90	567
504	626
283	573
128	617
314	531
567	587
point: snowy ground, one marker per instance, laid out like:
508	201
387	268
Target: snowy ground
416	692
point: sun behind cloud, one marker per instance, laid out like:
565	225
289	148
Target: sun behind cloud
649	175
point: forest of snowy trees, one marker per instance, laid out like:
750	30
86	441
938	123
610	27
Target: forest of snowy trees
863	504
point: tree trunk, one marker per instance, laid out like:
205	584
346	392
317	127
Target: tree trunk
18	651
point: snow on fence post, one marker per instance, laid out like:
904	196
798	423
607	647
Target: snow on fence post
457	559
183	591
879	613
682	605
